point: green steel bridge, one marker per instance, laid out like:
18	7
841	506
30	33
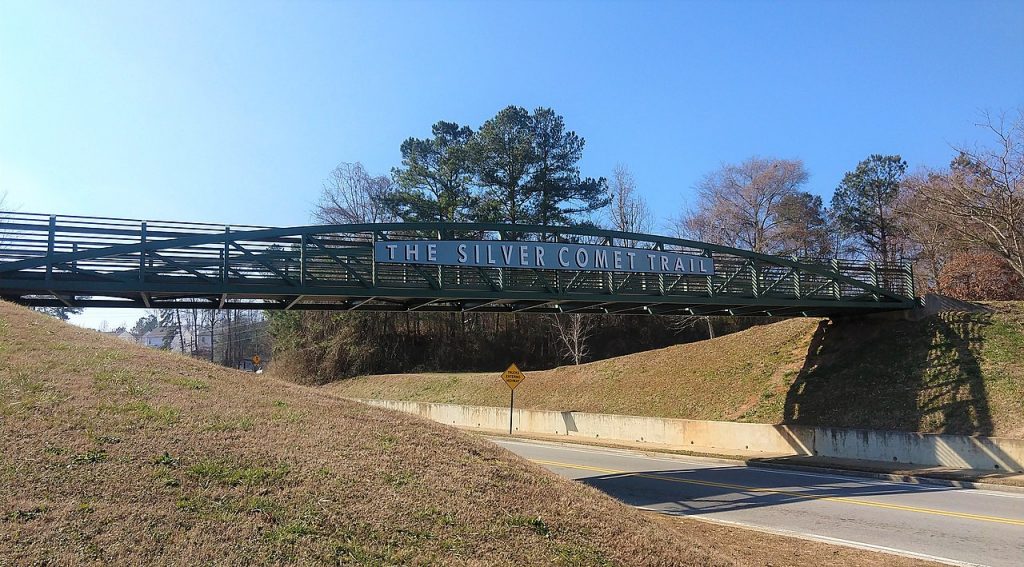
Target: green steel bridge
73	261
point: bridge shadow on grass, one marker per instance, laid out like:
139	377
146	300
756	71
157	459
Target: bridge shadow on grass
722	489
918	376
897	375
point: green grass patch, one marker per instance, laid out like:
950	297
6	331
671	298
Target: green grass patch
90	457
221	423
206	507
121	382
24	391
105	439
160	415
27	514
166	478
166	460
387	441
437	516
290	532
231	507
399	479
285	414
534	523
191	384
229	473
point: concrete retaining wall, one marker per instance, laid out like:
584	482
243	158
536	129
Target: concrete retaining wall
956	451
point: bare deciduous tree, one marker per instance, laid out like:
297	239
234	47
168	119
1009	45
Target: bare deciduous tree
739	204
573	331
682	323
927	243
629	211
980	276
351	195
979	202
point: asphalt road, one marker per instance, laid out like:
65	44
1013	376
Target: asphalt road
952	525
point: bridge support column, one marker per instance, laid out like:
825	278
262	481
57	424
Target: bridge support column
837	292
226	255
142	253
50	242
796	284
302	261
873	269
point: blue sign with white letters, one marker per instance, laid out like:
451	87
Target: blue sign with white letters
542	255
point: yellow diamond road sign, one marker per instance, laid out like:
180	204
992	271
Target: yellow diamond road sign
512	376
256	359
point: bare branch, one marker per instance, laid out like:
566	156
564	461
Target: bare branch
573	330
351	195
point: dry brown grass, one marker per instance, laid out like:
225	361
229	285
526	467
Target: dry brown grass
116	454
742	376
956	373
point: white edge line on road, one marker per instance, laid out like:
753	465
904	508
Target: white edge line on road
705	461
818	538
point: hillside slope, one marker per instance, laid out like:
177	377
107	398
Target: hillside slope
952	373
716	379
116	454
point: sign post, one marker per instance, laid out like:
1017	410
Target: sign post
512	376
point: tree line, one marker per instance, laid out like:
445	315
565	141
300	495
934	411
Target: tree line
229	337
519	167
961	224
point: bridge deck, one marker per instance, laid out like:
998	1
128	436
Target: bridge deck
100	262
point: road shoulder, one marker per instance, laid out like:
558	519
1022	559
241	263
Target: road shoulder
935	476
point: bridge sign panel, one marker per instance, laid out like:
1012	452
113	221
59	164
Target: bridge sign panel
541	255
513	376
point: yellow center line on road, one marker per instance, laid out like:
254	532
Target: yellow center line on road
845	499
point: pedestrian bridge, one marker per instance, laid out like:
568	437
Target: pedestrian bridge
74	261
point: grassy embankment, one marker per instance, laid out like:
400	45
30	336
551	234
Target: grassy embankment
952	373
117	454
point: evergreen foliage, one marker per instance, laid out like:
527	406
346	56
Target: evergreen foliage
865	205
435	181
520	167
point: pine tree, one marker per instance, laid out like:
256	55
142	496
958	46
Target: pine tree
865	205
436	178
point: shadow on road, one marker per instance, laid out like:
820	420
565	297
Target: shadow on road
722	489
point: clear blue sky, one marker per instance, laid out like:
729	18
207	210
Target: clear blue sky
236	112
